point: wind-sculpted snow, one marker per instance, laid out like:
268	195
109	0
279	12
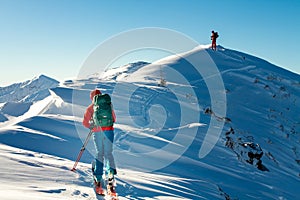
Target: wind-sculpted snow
15	109
163	127
3	118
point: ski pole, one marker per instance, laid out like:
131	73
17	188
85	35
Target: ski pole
82	150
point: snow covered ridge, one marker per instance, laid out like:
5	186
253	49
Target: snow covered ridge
28	91
123	71
256	157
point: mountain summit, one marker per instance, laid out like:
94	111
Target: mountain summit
28	91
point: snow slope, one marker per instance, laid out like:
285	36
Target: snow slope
160	131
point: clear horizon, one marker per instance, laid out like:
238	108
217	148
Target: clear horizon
55	37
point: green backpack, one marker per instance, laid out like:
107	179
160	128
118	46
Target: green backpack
102	110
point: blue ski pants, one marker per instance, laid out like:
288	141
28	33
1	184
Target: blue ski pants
103	141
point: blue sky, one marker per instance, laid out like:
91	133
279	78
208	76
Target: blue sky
54	37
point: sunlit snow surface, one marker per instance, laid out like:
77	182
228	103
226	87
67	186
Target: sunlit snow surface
159	132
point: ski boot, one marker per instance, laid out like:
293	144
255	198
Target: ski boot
97	184
98	188
111	187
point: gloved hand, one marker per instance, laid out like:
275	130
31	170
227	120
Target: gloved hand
92	124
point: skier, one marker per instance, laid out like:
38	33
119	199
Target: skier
103	136
213	37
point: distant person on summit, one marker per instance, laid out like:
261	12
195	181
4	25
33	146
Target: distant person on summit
100	117
213	37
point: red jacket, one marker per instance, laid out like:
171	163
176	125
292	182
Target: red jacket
88	116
